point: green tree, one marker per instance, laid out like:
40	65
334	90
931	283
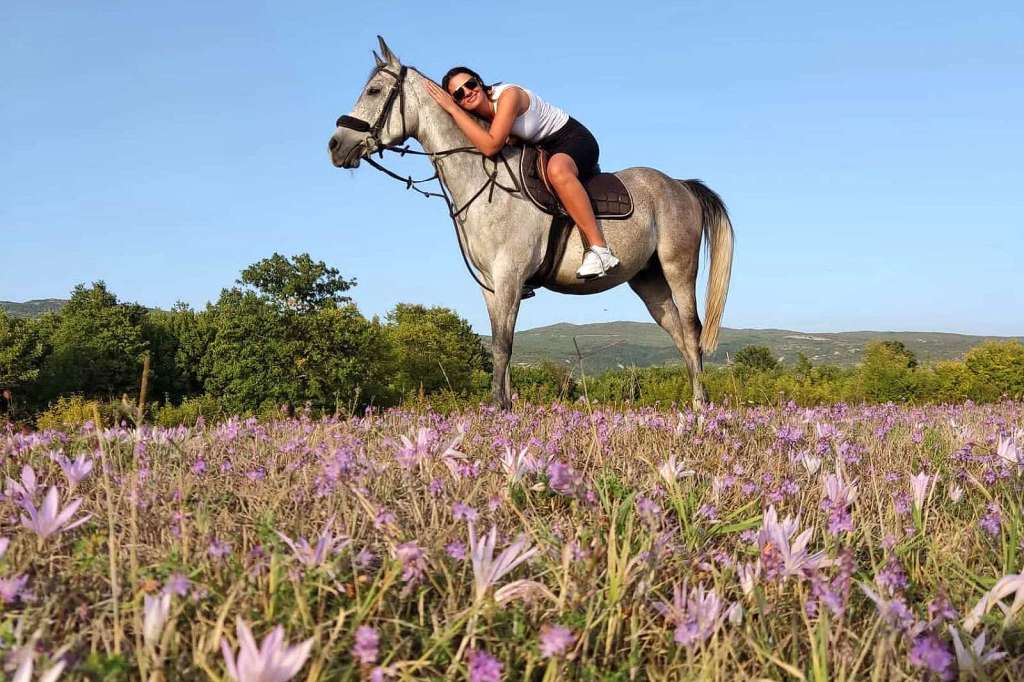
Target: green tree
756	358
97	343
177	344
996	369
299	284
23	347
887	373
290	338
435	349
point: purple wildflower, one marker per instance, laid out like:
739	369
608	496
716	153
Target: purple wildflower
463	512
892	578
366	646
364	559
177	584
930	652
218	549
414	562
562	478
456	550
483	667
555	640
992	521
11	588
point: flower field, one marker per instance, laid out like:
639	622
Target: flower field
549	543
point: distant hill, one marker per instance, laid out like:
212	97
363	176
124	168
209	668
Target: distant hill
32	308
607	345
641	344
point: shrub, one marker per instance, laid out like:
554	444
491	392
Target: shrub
188	412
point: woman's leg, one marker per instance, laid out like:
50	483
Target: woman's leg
564	178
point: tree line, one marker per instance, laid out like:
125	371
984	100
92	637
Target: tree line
288	336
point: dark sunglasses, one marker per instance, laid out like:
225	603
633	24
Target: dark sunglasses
463	90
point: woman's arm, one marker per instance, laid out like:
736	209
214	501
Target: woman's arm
510	104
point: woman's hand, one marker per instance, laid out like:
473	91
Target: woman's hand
441	97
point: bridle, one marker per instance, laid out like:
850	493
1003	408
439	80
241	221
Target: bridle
397	92
361	126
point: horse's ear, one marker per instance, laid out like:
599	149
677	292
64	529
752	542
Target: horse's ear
386	52
376	57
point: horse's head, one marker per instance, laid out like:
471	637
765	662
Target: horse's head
378	118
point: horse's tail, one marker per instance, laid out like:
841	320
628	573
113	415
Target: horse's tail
718	241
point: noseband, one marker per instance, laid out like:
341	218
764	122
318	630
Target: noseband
361	126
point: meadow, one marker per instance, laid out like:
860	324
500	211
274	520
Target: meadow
553	542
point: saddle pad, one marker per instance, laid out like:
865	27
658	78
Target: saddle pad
608	196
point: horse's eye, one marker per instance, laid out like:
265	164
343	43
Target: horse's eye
373	91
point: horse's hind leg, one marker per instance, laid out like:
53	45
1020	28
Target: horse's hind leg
683	325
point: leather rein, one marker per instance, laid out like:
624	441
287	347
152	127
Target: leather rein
397	92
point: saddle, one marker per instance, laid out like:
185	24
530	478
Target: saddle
608	197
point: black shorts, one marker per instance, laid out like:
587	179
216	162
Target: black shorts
574	139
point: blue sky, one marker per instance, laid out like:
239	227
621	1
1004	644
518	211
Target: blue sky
870	154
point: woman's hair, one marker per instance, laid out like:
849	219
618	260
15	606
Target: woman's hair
455	70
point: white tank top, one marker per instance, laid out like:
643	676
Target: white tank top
538	121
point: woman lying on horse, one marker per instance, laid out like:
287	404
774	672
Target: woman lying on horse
514	110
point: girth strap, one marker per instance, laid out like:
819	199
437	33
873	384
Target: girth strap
558	238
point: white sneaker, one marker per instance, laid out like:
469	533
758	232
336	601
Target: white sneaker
597	261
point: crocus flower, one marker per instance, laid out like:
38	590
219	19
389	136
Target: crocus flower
696	615
839	495
327	544
1009	453
154	615
749	574
919	488
781	556
1007	585
50	518
75	471
27	488
811	463
555	640
4	542
488	570
273	661
954	493
24	658
971	661
367	641
516	465
894	611
483	667
672	470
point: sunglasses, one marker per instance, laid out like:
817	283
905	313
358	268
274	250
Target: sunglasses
463	90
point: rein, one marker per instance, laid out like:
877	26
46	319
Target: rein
397	92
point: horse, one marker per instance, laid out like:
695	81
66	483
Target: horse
505	236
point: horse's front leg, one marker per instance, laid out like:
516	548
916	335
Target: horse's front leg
503	308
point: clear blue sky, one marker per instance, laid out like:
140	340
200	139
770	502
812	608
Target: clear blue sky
870	154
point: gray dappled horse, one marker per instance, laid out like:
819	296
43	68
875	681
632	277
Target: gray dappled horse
504	235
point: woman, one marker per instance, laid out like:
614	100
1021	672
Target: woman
514	110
